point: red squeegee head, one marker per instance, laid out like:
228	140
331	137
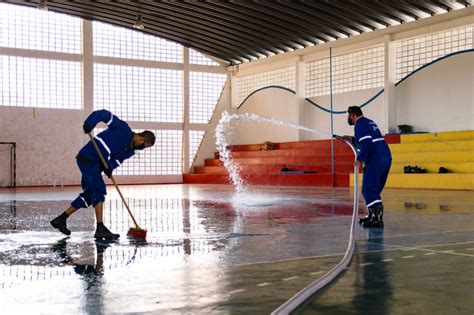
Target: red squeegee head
137	233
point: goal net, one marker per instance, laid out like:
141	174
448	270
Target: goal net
7	164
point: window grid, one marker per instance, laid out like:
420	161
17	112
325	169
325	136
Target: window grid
139	94
44	83
113	41
204	92
195	139
281	77
28	28
415	52
350	72
197	58
164	158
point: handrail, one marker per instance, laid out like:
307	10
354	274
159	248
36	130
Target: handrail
303	295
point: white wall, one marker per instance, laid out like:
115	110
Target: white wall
47	142
208	144
275	103
439	97
321	120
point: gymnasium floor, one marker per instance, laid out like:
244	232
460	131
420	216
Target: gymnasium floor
210	251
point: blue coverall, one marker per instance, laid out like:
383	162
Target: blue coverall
115	146
374	152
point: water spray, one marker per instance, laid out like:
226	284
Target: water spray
222	141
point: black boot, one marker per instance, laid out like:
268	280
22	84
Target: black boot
103	232
367	218
60	223
375	217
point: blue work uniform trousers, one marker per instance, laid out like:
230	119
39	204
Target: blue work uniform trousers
93	185
374	179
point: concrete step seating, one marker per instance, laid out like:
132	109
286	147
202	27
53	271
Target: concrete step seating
452	150
309	162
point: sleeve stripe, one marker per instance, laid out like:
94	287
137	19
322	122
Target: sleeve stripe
118	162
111	119
378	139
105	145
366	137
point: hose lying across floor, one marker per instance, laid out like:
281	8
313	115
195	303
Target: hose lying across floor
303	295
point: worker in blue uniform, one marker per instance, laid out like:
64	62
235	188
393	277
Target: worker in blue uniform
116	143
374	153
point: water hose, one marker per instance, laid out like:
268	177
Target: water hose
303	295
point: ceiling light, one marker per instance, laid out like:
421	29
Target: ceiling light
42	5
138	23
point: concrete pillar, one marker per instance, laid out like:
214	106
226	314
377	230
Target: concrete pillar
186	166
390	113
87	68
300	95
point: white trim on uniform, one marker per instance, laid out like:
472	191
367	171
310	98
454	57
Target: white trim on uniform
84	201
111	119
378	139
374	202
366	137
105	145
118	162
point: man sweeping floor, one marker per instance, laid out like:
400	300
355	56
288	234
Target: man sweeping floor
116	143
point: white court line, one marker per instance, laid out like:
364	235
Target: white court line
290	278
430	253
236	291
407	257
426	233
387	260
449	252
422	248
263	284
366	264
315	273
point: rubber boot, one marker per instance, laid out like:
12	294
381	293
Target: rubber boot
60	223
367	218
376	219
102	232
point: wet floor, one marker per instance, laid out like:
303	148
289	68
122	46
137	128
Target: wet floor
211	251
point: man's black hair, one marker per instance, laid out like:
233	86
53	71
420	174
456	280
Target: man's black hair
149	137
355	110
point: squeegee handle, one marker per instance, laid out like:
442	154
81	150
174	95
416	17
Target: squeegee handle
104	163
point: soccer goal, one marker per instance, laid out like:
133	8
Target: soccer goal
7	164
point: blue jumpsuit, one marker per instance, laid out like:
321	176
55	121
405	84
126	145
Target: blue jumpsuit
115	146
374	152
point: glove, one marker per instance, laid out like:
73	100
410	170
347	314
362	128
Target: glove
87	128
108	172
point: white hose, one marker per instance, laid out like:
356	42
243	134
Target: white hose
303	295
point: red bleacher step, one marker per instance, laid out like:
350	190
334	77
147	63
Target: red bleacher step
276	168
320	180
282	160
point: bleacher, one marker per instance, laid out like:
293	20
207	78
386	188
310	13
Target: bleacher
429	151
308	163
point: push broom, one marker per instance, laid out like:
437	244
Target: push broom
136	232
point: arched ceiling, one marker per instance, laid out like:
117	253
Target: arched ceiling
237	31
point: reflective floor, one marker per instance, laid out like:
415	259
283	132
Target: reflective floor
211	251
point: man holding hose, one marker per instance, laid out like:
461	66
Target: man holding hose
373	151
116	143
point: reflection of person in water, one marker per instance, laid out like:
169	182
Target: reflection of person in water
80	266
373	294
90	270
